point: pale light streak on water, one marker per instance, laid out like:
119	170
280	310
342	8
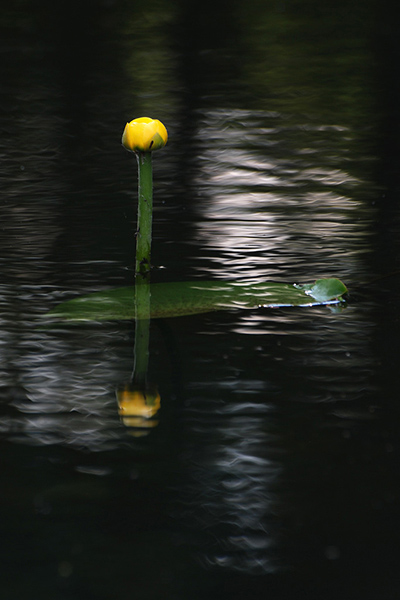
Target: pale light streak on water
230	493
276	206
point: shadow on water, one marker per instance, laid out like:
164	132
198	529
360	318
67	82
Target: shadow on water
272	470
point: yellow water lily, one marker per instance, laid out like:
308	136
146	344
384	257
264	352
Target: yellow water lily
144	135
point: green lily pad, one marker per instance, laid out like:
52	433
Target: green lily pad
191	297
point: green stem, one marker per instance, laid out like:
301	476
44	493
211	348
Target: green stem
145	216
142	268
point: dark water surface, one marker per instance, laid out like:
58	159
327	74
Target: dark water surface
273	471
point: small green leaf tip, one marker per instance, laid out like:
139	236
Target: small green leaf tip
144	135
324	290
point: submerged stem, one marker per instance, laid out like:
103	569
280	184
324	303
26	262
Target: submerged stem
142	333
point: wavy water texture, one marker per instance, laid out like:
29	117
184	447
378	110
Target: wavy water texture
279	198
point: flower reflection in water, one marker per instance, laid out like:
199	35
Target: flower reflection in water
137	408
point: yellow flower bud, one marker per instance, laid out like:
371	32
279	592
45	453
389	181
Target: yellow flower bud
144	135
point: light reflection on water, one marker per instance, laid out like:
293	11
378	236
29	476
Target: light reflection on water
274	196
231	493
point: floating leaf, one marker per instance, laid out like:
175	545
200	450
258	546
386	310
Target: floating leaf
190	297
